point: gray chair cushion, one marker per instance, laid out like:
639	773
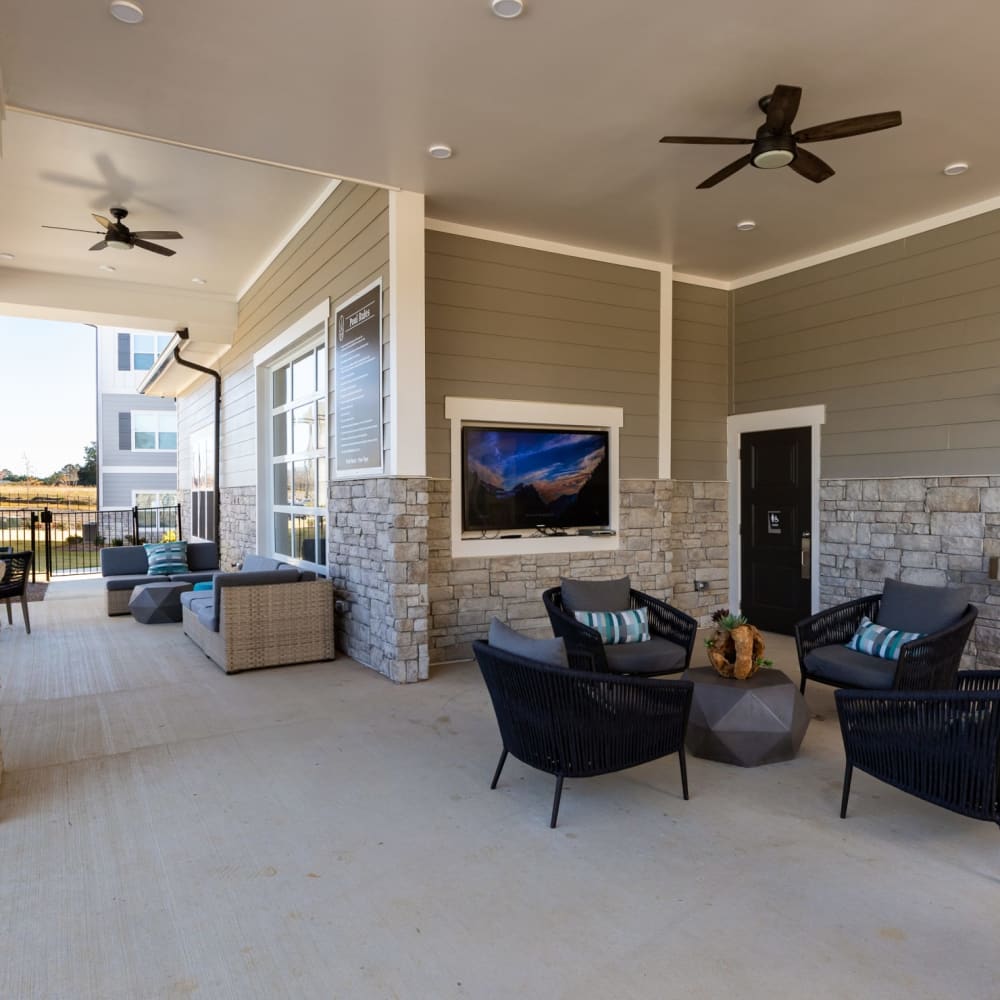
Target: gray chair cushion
128	582
255	564
122	560
658	656
550	651
913	608
254	578
204	609
851	668
596	595
192	595
202	556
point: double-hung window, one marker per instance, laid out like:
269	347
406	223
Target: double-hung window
146	348
154	431
298	454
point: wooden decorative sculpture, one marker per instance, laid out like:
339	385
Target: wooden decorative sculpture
735	648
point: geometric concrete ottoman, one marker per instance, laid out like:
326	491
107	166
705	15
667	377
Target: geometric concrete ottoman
751	722
157	603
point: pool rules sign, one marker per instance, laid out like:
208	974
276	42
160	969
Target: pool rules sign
357	398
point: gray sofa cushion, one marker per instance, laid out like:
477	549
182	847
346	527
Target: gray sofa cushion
204	610
128	582
192	577
254	578
202	556
596	595
550	651
851	668
123	560
190	595
255	564
658	656
910	607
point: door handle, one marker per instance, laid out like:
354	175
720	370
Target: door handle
806	556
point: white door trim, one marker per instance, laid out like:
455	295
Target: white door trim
771	420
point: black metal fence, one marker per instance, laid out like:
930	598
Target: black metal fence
69	542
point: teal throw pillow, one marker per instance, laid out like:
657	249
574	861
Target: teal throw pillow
165	558
877	640
204	585
617	627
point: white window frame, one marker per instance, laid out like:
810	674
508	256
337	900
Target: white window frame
160	342
312	330
159	415
159	528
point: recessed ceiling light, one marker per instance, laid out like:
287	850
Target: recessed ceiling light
199	281
106	267
746	225
6	256
954	169
126	11
439	151
507	8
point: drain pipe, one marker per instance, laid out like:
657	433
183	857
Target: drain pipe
183	334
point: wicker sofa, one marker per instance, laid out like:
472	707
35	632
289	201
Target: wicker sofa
124	567
268	614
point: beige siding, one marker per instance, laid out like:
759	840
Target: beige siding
700	382
342	248
505	322
902	344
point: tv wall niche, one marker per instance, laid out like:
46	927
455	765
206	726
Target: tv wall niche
527	476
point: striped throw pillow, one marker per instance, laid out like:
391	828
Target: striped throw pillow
877	640
617	626
167	557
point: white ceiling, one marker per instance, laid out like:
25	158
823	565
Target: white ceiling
232	214
554	117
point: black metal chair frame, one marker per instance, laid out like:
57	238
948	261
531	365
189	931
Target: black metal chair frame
15	570
575	724
926	664
941	746
665	622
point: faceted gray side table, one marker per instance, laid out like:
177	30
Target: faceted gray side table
751	722
157	603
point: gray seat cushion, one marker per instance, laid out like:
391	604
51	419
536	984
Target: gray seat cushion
203	608
596	595
851	668
128	582
255	564
193	577
913	608
550	651
191	595
658	656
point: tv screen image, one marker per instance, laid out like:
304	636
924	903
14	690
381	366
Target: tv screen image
518	478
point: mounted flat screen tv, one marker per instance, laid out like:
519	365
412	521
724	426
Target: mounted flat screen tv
519	478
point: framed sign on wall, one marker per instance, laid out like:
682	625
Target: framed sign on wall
357	397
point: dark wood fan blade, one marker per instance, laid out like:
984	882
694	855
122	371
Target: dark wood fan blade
783	107
101	221
67	229
725	172
706	140
158	234
850	126
99	246
152	246
811	166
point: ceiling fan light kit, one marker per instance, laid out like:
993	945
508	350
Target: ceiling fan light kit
126	11
776	145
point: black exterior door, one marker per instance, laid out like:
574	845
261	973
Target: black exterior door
775	471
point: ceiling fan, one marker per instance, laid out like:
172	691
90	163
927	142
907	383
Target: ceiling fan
777	146
118	236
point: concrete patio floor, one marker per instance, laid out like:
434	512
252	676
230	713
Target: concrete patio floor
316	832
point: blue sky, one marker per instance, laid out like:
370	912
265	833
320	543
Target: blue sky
48	407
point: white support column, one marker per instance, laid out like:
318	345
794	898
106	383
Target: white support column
407	387
666	367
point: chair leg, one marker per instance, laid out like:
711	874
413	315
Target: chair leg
555	801
802	686
24	611
848	771
684	771
10	617
496	776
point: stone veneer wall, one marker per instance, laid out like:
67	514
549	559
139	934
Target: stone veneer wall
672	533
931	531
378	561
238	534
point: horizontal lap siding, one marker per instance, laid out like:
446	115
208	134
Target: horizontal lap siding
506	322
902	344
700	382
342	248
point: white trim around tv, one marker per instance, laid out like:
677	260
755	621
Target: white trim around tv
515	412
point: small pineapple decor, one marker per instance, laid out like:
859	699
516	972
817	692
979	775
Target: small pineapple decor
735	648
